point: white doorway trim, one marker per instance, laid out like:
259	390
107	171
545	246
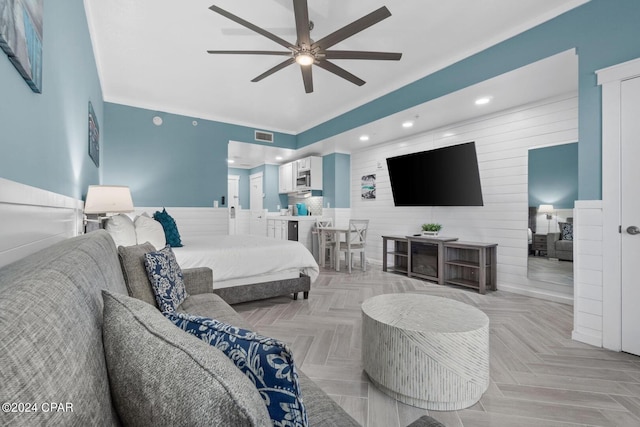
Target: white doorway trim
611	79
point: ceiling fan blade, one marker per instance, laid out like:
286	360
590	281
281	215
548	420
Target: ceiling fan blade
253	27
353	28
249	52
274	69
301	12
333	68
307	78
358	54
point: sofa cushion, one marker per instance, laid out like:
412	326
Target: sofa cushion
170	228
135	273
564	245
149	230
121	229
166	278
51	332
213	306
160	376
266	361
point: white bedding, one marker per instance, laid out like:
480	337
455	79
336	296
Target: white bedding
239	256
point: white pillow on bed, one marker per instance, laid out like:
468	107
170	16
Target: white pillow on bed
149	230
121	228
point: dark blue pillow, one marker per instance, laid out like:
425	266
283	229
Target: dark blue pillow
266	361
170	228
166	279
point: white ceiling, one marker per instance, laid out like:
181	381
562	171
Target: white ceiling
152	53
548	78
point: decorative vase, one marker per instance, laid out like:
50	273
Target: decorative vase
430	233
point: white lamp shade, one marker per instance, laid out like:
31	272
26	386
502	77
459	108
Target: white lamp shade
103	199
545	209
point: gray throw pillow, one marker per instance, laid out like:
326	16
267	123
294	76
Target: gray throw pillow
135	273
162	376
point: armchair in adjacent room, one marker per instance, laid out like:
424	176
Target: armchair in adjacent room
560	245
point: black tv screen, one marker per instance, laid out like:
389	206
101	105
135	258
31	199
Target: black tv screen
445	176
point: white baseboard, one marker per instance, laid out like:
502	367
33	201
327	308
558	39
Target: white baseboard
587	339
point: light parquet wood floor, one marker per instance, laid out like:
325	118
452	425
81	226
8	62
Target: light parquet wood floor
539	376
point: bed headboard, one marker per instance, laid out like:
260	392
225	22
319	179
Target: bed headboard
194	221
33	219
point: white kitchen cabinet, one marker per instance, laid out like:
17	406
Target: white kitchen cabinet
287	178
277	229
312	166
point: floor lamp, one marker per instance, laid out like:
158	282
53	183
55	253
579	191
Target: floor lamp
548	210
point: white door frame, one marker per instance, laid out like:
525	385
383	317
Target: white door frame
611	79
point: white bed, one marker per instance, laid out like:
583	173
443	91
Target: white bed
246	259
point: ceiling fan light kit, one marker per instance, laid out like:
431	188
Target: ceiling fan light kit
307	52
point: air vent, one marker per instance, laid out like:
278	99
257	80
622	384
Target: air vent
263	136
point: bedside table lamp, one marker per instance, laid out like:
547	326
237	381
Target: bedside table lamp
106	199
547	209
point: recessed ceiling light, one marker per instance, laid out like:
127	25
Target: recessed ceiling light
230	161
364	138
448	134
483	101
278	157
407	124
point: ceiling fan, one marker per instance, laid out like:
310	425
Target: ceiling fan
307	52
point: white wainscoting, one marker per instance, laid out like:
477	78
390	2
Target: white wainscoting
502	144
587	272
194	221
33	219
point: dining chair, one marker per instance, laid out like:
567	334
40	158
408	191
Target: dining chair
326	241
356	241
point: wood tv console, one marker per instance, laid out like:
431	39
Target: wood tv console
443	260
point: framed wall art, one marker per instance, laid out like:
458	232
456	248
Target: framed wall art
21	38
94	137
368	187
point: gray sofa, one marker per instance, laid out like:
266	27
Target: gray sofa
558	248
63	363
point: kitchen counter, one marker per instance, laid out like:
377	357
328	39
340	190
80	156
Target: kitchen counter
278	217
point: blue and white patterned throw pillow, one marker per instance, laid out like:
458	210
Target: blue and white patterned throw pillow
266	361
566	231
166	278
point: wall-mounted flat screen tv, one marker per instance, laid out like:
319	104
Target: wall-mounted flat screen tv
445	176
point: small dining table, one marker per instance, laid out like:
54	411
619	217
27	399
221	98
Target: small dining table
336	233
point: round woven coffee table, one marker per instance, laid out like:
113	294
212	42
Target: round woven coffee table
426	351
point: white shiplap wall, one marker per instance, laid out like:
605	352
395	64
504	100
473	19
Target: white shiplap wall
32	219
588	262
194	221
502	144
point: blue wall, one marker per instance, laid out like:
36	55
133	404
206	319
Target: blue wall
604	32
553	176
175	164
270	176
43	137
243	185
336	180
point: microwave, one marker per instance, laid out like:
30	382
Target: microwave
303	180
